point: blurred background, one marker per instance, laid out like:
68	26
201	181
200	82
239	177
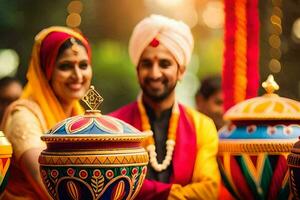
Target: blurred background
108	25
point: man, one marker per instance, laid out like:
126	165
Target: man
209	99
10	90
183	148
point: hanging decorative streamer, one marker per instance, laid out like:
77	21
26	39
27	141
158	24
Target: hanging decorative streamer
240	69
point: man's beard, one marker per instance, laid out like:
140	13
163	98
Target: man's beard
154	95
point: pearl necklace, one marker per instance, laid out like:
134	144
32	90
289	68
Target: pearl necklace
170	143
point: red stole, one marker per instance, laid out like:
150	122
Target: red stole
184	154
185	150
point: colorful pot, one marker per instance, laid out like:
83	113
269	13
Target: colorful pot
93	157
253	147
5	156
294	166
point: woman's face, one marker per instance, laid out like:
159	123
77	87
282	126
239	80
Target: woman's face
72	75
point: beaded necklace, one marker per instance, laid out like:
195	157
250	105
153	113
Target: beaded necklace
170	143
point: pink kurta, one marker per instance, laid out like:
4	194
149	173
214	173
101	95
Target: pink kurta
195	170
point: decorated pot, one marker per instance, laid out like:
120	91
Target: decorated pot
93	156
294	165
5	156
254	146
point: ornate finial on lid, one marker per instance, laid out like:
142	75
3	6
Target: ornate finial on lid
92	99
270	85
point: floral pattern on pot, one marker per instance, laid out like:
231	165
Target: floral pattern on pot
93	183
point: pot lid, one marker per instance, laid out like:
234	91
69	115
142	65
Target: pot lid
269	106
93	125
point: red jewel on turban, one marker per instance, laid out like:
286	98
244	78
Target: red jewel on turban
154	42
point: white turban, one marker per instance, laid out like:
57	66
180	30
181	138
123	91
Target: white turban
175	35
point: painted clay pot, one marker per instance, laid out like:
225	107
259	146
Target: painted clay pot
93	156
294	166
253	147
5	158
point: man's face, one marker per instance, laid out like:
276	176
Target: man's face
9	94
215	103
158	72
212	107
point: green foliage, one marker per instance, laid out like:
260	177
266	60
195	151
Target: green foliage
7	19
114	75
210	54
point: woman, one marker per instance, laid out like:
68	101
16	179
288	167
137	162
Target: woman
59	75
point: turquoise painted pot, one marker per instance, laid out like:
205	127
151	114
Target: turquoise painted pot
254	146
93	156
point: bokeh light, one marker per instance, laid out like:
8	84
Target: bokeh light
169	3
213	15
296	29
9	62
274	41
75	7
275	37
170	8
274	66
277	11
73	20
275	19
189	16
277	2
275	53
277	29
